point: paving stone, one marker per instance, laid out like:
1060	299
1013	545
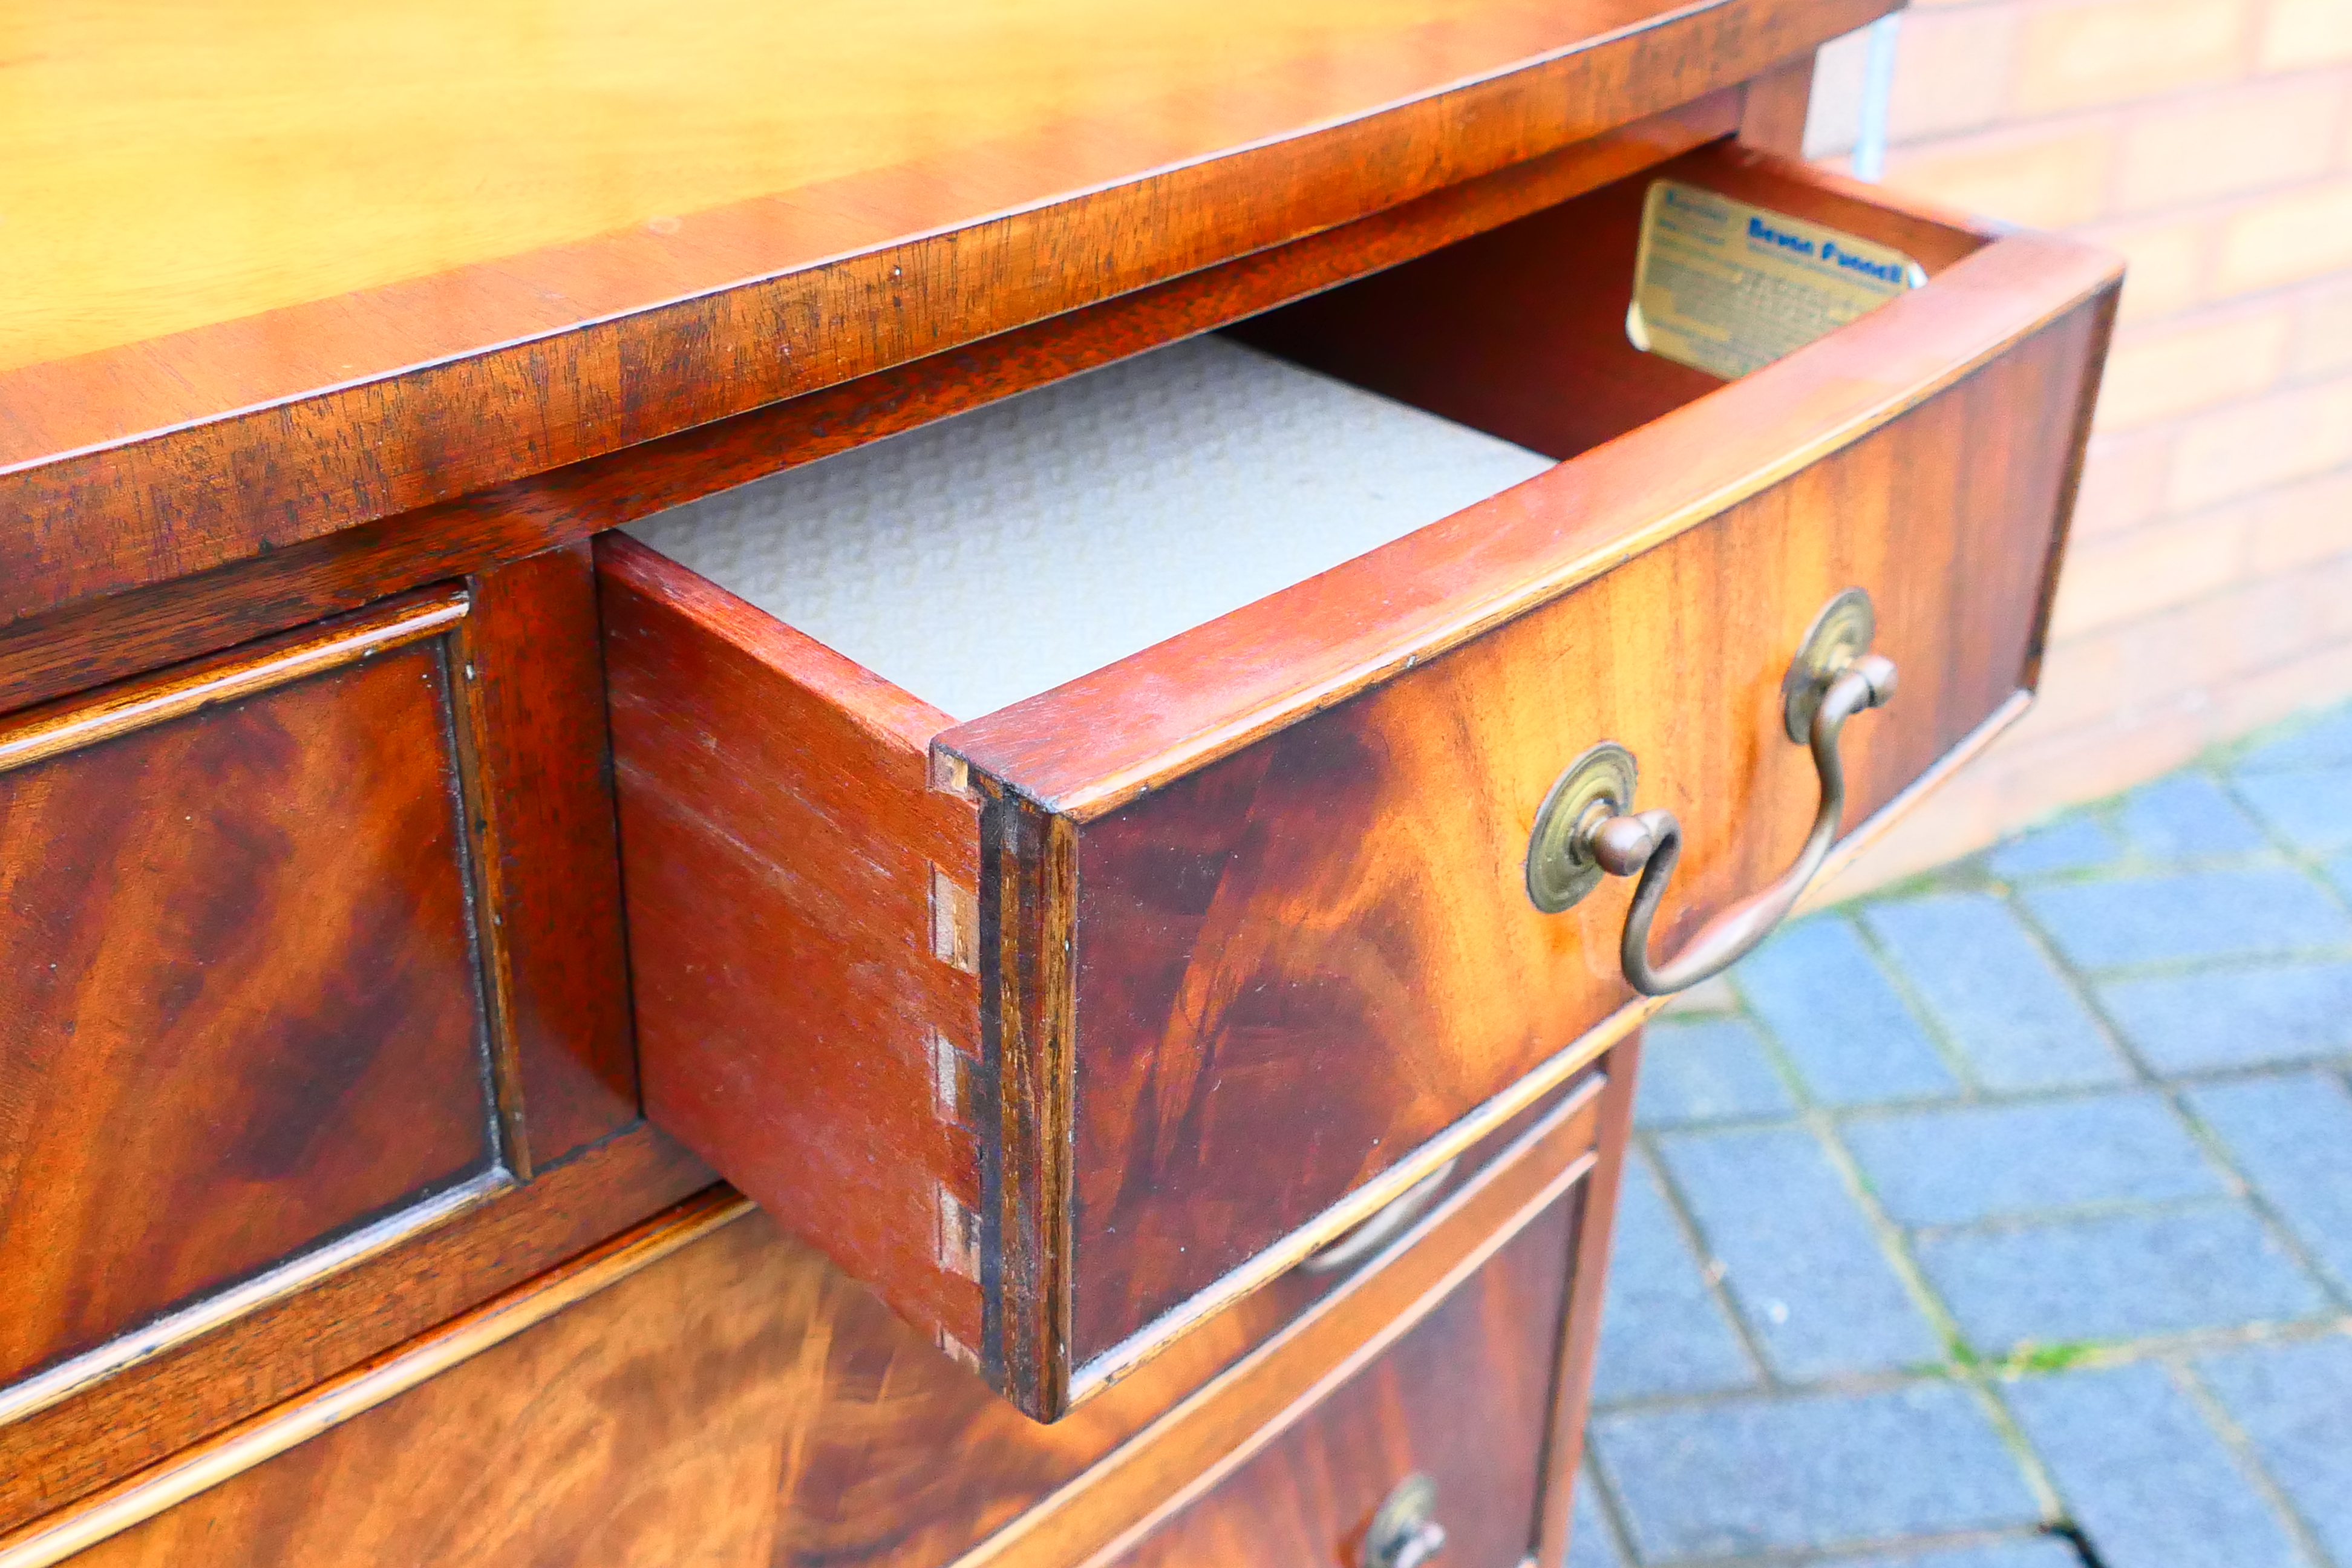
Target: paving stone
1996	994
1662	1331
1968	1163
2204	914
2188	816
1706	1070
2077	844
1830	1006
2294	1405
2034	1552
2322	742
1786	1474
2144	1476
2311	809
2244	1016
1590	1544
1800	1259
2292	1135
2119	1276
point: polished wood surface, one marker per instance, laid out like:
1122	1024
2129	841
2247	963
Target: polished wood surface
495	135
315	310
1572	1389
469	367
1463	1399
1090	745
1552	290
241	1013
546	852
129	1422
1326	938
786	858
1775	106
495	722
1219	902
744	1403
135	631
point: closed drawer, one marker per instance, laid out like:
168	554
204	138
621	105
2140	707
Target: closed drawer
242	1041
1061	1024
1434	1451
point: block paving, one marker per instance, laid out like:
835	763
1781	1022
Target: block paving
2003	1218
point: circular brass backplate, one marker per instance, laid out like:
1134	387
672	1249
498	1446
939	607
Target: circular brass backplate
1404	1512
1559	870
1839	635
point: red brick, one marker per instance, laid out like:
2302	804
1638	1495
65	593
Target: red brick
2299	34
2124	482
2051	176
2306	232
2083	52
2174	368
2323	330
2124	576
2166	261
2300	524
2237	450
2227	143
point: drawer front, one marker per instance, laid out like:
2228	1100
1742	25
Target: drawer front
1066	1026
1463	1401
1317	953
733	1399
243	1013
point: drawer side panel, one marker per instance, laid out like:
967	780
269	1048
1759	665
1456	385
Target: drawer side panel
799	897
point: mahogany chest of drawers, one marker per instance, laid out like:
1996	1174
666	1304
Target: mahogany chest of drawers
903	787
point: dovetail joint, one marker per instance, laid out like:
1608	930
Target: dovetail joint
955	922
958	1236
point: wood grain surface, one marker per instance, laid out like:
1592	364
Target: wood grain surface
1546	296
139	629
1262	883
1324	942
285	834
1089	745
743	1403
243	1013
1463	1399
555	314
140	1415
1571	1389
782	845
546	851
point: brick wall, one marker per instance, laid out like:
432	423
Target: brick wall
2208	587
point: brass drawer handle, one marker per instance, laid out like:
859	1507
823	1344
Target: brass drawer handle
1405	1534
1386	1224
1587	827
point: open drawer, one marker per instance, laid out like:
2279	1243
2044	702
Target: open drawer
1062	1025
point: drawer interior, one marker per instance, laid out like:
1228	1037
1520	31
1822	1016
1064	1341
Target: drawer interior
996	554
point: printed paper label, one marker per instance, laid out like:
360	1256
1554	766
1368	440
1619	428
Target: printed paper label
1727	287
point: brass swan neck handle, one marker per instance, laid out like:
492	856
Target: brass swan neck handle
1587	828
1650	842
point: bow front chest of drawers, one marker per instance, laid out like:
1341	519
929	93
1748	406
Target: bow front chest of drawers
901	786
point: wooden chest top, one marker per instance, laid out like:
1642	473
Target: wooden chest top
275	271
